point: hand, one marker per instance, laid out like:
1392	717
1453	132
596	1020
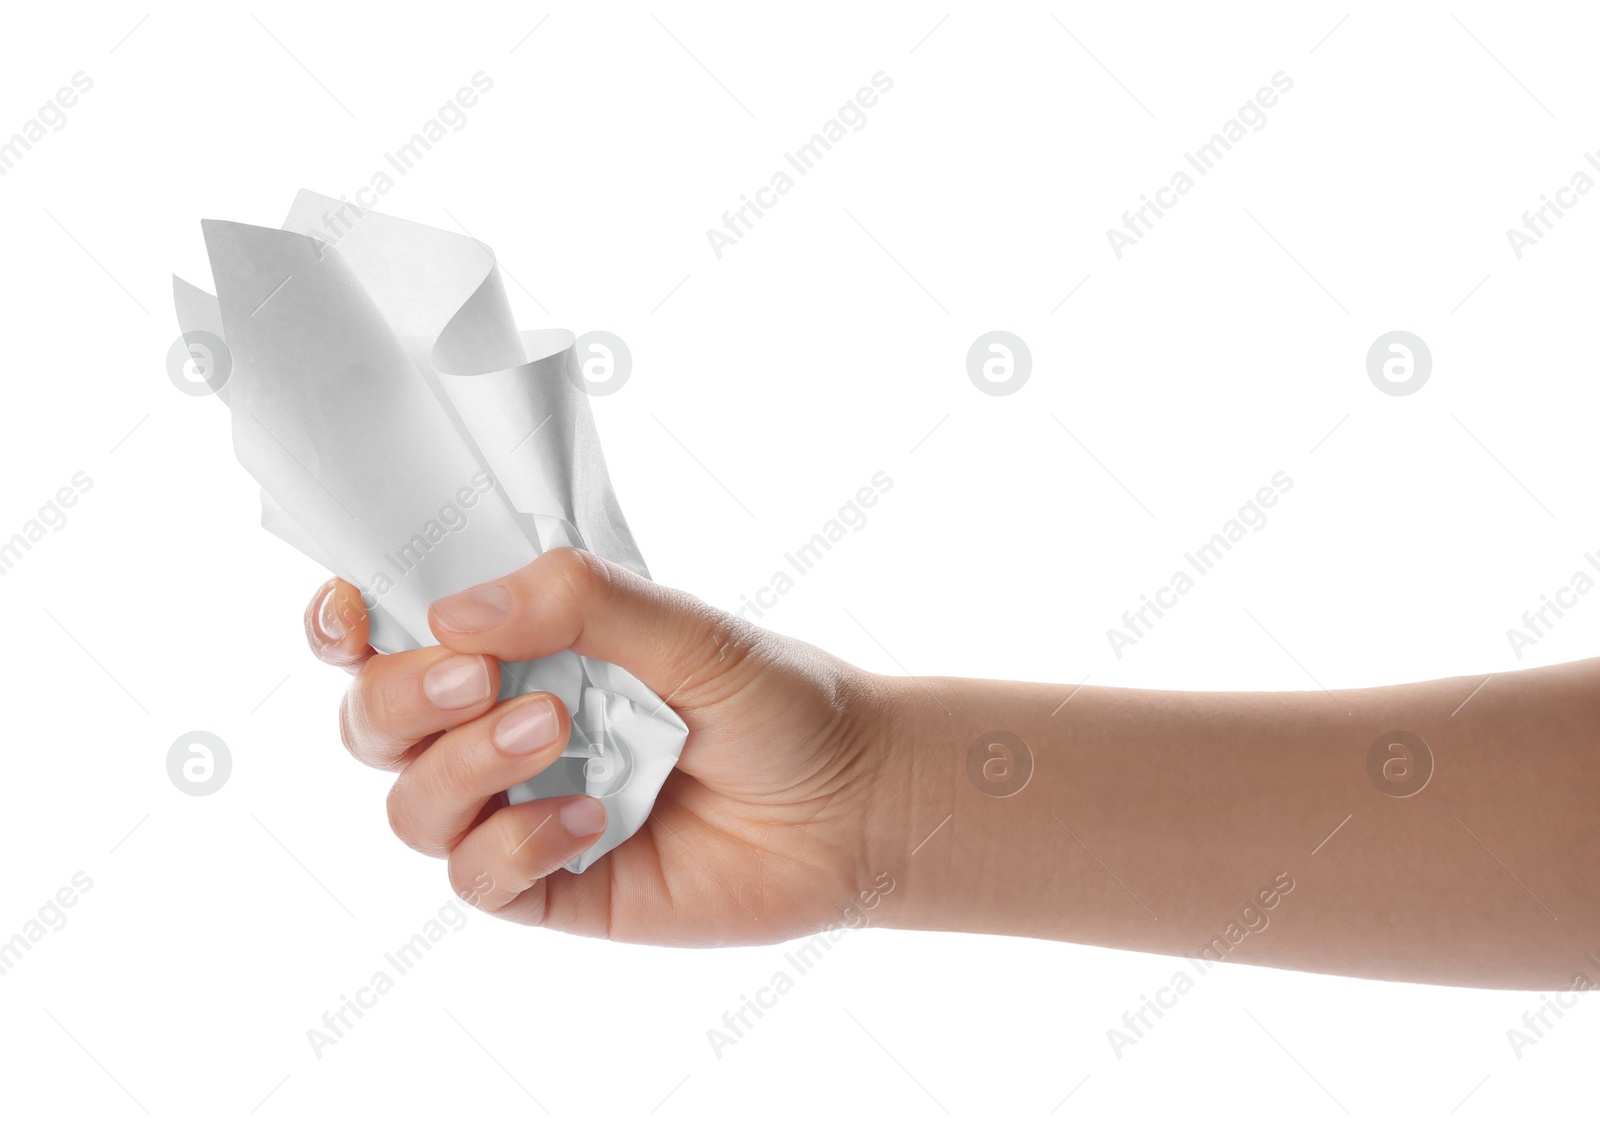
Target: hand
759	835
1140	819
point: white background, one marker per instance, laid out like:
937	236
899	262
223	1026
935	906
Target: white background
768	386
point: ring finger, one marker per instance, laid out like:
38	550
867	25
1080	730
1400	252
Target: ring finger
441	792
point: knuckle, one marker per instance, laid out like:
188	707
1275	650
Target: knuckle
347	735
511	840
381	712
363	721
535	910
456	762
715	648
460	884
514	845
582	576
399	818
403	822
525	848
387	700
731	636
477	889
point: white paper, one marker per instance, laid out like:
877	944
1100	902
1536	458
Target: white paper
409	438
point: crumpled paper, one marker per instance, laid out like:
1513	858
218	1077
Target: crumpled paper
410	439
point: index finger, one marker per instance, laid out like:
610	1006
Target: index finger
336	625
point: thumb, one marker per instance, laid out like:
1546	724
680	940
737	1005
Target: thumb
572	600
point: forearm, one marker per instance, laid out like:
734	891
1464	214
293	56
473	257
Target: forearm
1164	822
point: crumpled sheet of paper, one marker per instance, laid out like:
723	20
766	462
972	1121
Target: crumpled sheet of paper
410	439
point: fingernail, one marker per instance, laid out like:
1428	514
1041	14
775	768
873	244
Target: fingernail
475	609
328	622
457	682
528	729
583	815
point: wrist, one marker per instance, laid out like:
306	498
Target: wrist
911	803
977	771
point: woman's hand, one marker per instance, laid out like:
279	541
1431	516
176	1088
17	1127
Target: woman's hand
1147	820
759	835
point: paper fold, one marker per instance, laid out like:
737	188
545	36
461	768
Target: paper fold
409	438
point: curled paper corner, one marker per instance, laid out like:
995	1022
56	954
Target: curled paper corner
409	437
198	316
200	323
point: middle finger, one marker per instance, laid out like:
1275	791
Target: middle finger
441	792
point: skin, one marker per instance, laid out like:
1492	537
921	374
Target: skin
811	794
